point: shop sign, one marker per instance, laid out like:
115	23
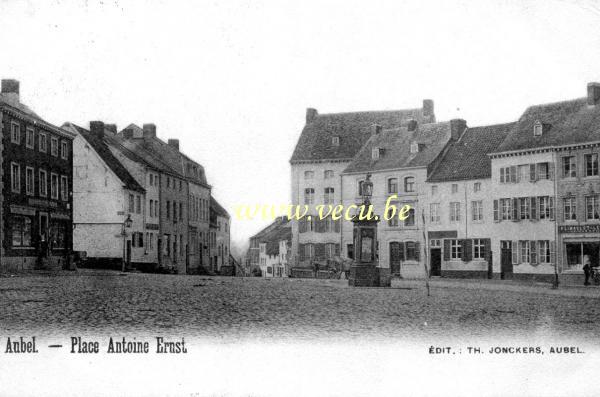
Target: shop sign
59	215
18	209
579	229
42	203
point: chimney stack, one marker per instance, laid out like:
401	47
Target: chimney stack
428	112
376	129
149	130
111	127
97	128
593	94
457	127
10	89
311	114
174	143
412	125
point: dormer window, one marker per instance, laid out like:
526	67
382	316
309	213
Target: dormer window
537	128
376	153
335	141
414	147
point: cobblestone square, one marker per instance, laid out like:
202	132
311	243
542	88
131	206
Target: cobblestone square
89	302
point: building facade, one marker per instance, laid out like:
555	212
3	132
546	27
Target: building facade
220	237
36	203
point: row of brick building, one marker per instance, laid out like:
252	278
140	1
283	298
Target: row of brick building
119	198
513	200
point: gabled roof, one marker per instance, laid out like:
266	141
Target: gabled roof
280	229
564	123
353	130
101	147
278	221
396	148
467	158
218	208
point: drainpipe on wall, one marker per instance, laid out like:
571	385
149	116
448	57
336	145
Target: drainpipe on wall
556	242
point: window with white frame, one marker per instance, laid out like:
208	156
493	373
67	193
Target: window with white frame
43	183
393	220
29	181
434	212
537	129
15	177
411	251
64	188
591	164
29	138
543	171
478	249
591	207
309	250
15	135
454	212
335	141
524	207
328	174
42	142
64	150
329	250
409	184
54	146
309	195
570	208
20	227
523	172
524	251
477	210
392	185
328	196
410	217
545	207
435	243
569	167
544	251
53	186
477	187
506	209
508	174
455	249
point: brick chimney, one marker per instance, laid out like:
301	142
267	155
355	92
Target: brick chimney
174	143
593	93
97	128
457	127
412	125
428	110
311	114
10	89
111	127
376	129
149	130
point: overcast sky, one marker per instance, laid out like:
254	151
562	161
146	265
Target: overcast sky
232	79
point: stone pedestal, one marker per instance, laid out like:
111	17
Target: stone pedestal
368	276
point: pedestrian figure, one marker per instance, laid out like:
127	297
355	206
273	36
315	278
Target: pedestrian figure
587	269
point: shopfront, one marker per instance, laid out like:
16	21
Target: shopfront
579	244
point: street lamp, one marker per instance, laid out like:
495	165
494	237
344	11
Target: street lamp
126	225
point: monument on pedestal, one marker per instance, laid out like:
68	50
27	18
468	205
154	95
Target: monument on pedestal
364	271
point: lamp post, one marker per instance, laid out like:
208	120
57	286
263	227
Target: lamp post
126	225
364	271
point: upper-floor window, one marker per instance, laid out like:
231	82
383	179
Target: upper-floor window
180	211
180	185
434	212
15	177
43	143
477	210
29	181
393	220
327	174
309	195
150	179
537	128
174	211
43	183
131	203
410	217
151	208
29	138
570	208
360	187
591	207
506	209
54	146
393	185
168	181
477	186
54	186
454	212
454	188
64	150
309	174
15	135
138	204
569	166
525	207
508	174
335	141
591	164
328	195
414	147
409	184
376	153
64	188
434	190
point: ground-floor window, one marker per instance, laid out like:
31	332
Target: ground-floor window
58	235
478	249
269	270
455	249
411	251
524	250
578	253
21	231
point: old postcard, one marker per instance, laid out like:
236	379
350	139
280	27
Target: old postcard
299	198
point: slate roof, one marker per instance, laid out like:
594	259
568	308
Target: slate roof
218	208
278	221
467	158
101	146
565	123
396	145
353	129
